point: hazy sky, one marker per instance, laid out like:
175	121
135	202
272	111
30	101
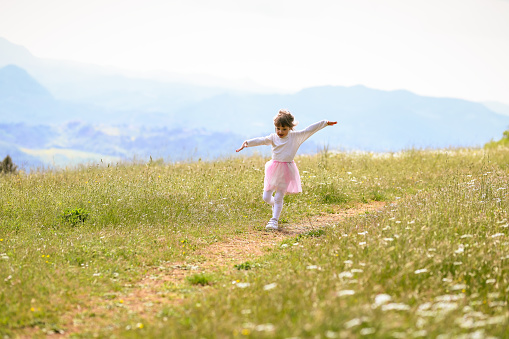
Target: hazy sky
456	48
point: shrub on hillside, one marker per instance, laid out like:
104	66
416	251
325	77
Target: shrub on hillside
7	166
75	216
504	142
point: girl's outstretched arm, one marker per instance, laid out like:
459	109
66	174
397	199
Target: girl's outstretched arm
244	145
256	142
330	123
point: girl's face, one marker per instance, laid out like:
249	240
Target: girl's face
282	131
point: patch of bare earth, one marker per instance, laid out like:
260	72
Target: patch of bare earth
165	285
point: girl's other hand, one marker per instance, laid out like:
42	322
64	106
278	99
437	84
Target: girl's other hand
330	123
244	145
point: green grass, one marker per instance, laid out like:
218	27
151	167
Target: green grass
439	249
200	279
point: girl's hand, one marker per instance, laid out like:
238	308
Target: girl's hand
244	145
330	123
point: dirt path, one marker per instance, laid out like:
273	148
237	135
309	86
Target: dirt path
246	247
162	286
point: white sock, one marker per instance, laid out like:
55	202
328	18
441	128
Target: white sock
275	201
278	205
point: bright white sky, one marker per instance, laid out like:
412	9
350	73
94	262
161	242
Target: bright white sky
454	48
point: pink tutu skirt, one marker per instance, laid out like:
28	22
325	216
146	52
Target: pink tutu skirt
282	177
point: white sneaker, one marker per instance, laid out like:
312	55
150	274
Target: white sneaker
272	225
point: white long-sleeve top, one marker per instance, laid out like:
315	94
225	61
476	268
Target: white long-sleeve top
284	149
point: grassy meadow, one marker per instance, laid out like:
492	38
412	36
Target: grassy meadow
434	262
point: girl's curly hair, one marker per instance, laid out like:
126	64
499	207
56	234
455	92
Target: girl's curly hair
285	119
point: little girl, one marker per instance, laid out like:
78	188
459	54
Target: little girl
281	173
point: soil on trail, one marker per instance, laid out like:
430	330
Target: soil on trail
245	247
162	286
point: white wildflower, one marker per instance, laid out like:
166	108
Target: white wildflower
381	299
501	319
420	323
388	239
497	304
249	326
331	334
424	307
427	313
312	267
345	274
460	249
466	322
243	285
496	235
422	270
265	327
445	306
449	297
458	287
491	281
493	295
466	236
467	309
344	293
396	307
421	333
367	331
353	322
269	287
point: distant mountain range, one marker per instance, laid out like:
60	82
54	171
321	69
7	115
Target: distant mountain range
59	113
497	107
75	142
